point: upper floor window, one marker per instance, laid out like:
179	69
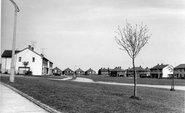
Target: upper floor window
33	59
19	59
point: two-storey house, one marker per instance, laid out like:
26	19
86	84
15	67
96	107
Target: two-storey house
179	71
37	63
161	71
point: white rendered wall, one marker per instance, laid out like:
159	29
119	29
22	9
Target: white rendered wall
26	56
166	71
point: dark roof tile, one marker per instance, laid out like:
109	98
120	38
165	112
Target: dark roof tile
8	53
181	66
159	66
79	70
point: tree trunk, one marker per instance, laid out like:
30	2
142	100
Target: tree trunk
135	79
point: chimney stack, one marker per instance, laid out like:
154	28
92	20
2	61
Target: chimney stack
32	48
29	46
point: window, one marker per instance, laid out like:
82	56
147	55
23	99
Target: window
19	59
33	59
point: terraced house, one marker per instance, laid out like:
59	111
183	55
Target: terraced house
117	72
161	71
140	72
179	71
103	71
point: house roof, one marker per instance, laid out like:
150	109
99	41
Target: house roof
68	69
57	68
90	70
180	66
31	49
104	70
158	66
8	53
137	68
117	69
79	70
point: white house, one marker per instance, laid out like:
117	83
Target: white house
37	63
161	71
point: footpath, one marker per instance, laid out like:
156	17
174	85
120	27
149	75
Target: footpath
80	79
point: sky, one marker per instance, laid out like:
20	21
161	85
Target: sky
81	33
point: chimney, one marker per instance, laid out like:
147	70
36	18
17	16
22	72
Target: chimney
32	48
29	46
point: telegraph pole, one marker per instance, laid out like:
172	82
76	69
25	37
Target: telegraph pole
12	71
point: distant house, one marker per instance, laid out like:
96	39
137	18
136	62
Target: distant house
140	72
79	72
117	72
179	71
103	71
57	71
146	73
90	72
37	63
161	71
68	71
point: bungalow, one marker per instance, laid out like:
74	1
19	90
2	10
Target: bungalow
36	63
179	71
57	71
161	71
68	71
90	72
79	72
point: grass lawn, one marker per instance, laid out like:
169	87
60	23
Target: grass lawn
75	97
150	81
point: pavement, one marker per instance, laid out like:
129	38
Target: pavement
12	102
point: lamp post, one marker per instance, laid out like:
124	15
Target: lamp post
74	76
12	71
172	81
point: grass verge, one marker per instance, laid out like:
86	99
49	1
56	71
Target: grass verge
75	97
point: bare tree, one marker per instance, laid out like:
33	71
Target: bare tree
132	39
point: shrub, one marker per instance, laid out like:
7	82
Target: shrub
29	73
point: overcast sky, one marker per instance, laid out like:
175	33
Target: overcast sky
81	32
